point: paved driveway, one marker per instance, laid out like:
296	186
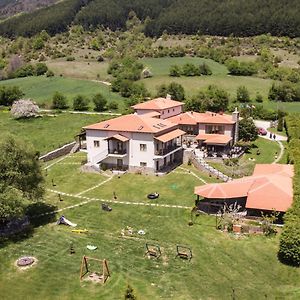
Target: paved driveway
266	125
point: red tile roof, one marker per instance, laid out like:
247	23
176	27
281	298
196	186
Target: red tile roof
270	187
214	139
193	118
170	135
119	137
133	123
158	104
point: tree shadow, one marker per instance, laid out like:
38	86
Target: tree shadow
41	213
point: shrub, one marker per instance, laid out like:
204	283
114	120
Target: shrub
259	98
59	101
175	71
189	70
289	247
8	94
70	58
49	73
204	69
41	69
100	102
242	94
112	105
80	103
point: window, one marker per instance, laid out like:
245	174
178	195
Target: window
168	110
173	109
214	129
162	112
96	144
143	164
143	147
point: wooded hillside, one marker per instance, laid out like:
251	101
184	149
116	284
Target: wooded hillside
214	17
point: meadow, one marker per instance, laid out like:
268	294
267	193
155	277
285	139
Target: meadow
41	89
222	267
48	132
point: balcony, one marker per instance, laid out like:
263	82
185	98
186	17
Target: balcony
117	152
167	150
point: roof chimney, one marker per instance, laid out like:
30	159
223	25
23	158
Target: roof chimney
168	97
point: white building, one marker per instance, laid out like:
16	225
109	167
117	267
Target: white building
151	138
134	142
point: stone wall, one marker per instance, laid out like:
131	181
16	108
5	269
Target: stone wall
64	150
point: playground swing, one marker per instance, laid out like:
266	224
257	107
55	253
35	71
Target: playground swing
184	252
153	250
94	275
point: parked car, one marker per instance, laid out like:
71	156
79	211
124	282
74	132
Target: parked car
262	131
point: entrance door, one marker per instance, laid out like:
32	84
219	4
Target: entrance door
157	165
119	163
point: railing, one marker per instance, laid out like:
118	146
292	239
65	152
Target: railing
114	167
167	150
117	151
100	156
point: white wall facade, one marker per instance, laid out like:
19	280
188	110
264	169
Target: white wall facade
134	156
164	113
228	129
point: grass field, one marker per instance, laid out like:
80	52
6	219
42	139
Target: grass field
47	133
41	89
81	69
220	262
267	150
160	68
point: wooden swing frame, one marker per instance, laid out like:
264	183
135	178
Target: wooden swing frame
153	250
184	252
84	269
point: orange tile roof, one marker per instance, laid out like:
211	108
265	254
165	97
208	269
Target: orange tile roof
151	114
133	123
214	139
193	118
158	104
119	137
269	188
170	135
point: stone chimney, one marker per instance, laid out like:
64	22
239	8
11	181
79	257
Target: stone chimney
235	118
168	97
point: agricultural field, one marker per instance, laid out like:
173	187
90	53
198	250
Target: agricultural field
48	132
222	266
41	89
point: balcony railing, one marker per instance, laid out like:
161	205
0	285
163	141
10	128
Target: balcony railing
167	150
117	151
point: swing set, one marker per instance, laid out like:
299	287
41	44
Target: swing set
93	275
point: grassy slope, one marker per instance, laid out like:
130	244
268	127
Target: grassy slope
79	69
47	133
41	89
267	150
220	262
220	77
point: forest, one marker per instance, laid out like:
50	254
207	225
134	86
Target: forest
213	17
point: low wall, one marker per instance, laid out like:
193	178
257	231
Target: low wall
64	150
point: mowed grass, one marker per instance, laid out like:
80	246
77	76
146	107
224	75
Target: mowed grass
41	89
247	162
220	262
160	68
47	133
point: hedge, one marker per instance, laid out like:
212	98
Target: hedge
289	247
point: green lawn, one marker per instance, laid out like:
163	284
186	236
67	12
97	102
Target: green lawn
47	133
41	89
220	262
267	150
